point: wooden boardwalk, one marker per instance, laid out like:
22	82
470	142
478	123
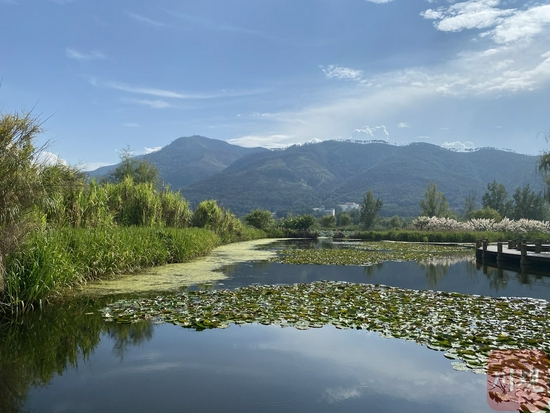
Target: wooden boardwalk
525	255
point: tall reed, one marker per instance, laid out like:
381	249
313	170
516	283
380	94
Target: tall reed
52	259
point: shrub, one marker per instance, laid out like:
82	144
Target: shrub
260	218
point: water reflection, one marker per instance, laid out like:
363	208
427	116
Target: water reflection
68	359
454	275
263	368
43	345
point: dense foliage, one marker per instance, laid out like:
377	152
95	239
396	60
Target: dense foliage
332	173
58	229
370	207
260	218
434	203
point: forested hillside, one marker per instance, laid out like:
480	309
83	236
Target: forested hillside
191	159
329	173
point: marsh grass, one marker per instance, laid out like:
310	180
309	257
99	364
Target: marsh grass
54	259
124	204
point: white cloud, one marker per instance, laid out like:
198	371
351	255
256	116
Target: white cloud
77	55
403	125
472	14
379	1
49	158
378	132
459	146
266	141
151	150
509	25
522	25
146	20
339	72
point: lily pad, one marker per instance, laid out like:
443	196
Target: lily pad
478	324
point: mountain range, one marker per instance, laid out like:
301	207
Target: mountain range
329	173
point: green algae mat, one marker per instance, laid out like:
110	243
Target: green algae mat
466	327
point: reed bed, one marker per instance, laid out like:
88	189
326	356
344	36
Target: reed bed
54	259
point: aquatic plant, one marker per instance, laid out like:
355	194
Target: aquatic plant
466	327
368	254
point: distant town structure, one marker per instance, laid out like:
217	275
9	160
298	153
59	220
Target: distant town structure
323	211
349	206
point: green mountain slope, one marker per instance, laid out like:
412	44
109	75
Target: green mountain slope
331	173
191	159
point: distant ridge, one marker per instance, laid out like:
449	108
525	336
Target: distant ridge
302	177
190	159
335	172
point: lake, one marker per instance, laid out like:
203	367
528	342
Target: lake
68	359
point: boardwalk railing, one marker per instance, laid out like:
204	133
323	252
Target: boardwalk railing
524	254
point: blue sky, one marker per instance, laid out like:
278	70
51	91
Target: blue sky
106	74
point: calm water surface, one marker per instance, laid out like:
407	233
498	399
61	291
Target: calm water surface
68	359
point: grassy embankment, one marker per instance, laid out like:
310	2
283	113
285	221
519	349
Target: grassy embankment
95	230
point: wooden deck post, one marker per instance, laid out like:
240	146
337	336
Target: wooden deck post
499	251
523	249
538	246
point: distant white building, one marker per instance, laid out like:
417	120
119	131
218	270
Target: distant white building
323	211
349	206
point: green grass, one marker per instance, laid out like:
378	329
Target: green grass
53	259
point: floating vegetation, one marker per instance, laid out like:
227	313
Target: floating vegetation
370	253
176	276
466	327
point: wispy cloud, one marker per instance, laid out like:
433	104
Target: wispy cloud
78	55
153	104
162	93
379	1
131	125
339	72
146	20
171	94
63	1
403	125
